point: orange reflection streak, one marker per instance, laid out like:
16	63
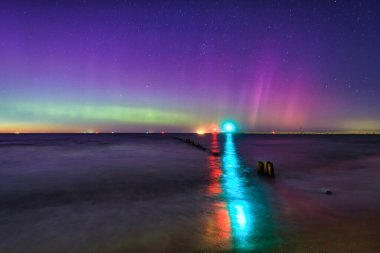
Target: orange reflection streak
219	226
218	230
214	188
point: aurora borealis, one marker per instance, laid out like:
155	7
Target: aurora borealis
177	66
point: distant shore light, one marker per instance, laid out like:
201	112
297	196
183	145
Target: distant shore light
229	126
200	132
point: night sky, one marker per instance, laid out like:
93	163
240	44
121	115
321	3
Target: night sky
136	66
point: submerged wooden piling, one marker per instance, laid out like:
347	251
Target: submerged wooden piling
265	169
260	168
269	168
196	145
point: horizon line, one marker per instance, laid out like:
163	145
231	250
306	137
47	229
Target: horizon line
254	132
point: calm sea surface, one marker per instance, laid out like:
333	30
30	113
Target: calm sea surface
153	193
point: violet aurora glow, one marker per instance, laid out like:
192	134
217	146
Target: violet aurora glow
68	66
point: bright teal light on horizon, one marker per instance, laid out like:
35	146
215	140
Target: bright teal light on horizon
229	126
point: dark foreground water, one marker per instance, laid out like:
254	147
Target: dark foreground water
152	193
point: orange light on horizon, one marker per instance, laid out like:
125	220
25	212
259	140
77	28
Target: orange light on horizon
200	132
24	127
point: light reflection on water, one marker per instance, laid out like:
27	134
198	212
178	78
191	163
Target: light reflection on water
145	193
241	216
237	201
219	227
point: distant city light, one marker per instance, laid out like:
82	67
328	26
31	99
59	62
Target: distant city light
200	132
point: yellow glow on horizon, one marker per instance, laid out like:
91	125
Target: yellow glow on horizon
362	125
200	132
26	127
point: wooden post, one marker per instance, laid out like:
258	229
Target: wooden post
260	168
269	168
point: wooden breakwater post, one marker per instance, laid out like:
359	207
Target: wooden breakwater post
265	169
269	168
192	143
260	168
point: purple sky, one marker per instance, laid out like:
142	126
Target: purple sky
179	66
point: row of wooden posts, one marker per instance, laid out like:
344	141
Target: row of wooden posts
199	146
263	169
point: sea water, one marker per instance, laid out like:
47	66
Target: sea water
155	193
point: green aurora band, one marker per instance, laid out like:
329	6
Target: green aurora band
34	112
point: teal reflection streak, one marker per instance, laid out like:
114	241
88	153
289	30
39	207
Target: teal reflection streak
239	209
250	225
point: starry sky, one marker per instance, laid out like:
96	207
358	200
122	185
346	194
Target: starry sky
178	66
